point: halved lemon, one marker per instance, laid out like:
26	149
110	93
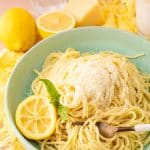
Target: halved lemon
53	22
36	118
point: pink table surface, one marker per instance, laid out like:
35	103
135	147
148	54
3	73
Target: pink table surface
5	4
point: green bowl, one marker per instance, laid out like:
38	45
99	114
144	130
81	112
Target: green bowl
86	39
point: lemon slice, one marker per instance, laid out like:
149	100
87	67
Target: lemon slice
36	118
53	22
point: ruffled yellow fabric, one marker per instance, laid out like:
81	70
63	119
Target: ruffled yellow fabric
117	13
8	60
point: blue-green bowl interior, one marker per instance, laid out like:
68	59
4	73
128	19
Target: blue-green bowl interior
87	39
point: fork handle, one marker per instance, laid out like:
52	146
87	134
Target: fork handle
142	127
137	128
123	129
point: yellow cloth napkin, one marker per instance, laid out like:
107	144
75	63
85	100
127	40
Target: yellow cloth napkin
117	13
7	61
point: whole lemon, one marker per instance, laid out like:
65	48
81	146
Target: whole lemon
17	29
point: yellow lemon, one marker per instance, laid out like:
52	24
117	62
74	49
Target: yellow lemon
53	22
36	118
17	29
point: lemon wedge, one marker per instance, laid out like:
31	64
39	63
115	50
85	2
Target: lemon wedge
53	22
36	118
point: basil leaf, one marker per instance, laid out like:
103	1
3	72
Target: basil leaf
62	110
55	99
147	147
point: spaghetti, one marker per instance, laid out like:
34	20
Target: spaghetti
102	87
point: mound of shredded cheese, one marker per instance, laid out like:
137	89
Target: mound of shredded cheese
119	14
